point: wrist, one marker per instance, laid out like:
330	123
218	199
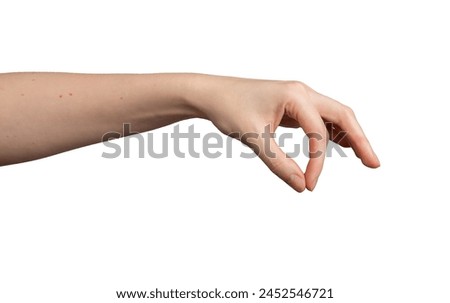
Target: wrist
173	96
196	93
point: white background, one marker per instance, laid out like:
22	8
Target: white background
76	227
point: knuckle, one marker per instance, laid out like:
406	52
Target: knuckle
348	112
295	90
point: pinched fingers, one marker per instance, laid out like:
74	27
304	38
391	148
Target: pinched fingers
310	109
314	127
276	160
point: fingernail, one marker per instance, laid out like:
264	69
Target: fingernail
297	182
376	157
314	183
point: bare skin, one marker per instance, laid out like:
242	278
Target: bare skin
47	113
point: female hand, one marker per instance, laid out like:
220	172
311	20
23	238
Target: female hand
48	113
244	107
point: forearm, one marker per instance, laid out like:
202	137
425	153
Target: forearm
42	114
47	113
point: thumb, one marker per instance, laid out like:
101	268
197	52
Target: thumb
277	161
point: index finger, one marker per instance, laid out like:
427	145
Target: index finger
314	127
